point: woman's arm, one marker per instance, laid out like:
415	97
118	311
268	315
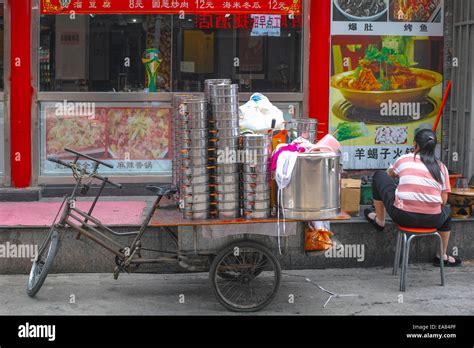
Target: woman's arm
391	172
444	197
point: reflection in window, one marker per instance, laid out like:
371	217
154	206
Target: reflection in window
260	53
103	52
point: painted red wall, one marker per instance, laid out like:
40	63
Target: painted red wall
319	67
21	92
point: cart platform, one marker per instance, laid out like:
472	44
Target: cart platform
170	216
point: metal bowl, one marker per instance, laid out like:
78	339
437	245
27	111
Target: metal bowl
256	187
226	178
231	99
223	169
194	161
196	123
196	199
229	214
227	188
198	206
255	178
196	133
223	143
258	214
226	123
256	140
195	170
259	168
197	152
228	133
257	205
257	196
227	197
227	205
224	108
196	143
194	189
195	180
223	89
196	215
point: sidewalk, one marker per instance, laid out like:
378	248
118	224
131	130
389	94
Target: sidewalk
147	294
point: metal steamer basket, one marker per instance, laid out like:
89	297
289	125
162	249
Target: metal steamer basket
194	167
314	189
305	128
256	176
223	98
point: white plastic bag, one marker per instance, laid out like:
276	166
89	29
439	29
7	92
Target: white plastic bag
258	113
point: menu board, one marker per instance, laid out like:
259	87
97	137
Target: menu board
134	139
386	76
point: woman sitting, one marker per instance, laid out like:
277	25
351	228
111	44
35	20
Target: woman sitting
421	196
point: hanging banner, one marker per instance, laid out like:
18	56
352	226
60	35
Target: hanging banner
386	76
204	7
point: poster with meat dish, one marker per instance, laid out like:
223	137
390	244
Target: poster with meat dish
133	138
386	76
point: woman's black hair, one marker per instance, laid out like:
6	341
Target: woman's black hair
426	141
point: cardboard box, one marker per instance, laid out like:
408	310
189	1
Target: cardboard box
350	196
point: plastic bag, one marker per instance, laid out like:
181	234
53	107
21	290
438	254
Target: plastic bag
318	236
258	113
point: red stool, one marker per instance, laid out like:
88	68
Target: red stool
405	236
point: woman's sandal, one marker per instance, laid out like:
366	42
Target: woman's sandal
457	262
372	221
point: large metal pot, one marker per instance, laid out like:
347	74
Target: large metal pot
314	189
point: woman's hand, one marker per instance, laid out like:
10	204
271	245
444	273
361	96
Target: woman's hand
444	197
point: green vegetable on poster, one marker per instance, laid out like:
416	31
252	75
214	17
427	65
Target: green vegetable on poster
347	131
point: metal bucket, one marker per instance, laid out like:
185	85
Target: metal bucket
231	99
257	196
226	178
228	205
225	108
258	214
255	140
226	123
257	205
229	214
228	133
314	189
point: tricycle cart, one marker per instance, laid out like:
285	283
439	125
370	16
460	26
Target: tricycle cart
244	275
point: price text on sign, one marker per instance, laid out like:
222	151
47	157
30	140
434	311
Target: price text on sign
170	6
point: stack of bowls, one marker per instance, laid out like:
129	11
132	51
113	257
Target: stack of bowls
225	139
305	128
208	83
257	176
176	129
195	154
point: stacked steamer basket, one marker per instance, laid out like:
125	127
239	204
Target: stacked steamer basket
257	176
195	155
305	128
225	139
176	138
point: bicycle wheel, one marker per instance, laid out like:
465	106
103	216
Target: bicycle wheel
245	276
42	263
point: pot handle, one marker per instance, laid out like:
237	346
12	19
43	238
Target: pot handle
332	165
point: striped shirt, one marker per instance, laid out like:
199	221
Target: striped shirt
418	191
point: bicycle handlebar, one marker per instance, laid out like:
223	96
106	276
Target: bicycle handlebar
95	175
89	158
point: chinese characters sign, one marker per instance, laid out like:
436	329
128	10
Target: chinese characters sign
386	76
171	6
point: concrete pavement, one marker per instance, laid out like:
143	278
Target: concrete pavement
152	294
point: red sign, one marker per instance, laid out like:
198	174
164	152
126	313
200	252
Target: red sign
170	6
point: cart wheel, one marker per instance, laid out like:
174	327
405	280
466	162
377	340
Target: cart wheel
42	263
245	276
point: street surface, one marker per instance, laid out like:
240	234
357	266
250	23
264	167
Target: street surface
152	294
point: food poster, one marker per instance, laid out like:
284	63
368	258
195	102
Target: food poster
386	77
134	139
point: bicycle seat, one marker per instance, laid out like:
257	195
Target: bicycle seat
165	191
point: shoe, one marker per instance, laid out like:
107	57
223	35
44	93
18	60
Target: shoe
457	262
373	222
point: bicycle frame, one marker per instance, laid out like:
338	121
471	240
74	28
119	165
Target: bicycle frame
88	226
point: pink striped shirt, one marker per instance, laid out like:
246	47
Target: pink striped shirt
418	191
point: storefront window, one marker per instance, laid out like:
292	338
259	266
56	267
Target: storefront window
259	52
133	137
103	53
2	122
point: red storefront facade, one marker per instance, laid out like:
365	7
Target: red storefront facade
24	92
